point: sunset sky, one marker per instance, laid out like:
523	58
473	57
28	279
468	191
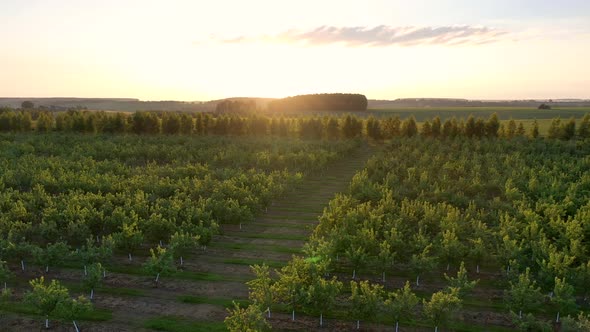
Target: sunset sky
386	49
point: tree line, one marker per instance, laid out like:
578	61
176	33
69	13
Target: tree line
320	102
306	127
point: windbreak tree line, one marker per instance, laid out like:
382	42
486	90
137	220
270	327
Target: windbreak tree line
305	127
517	209
320	102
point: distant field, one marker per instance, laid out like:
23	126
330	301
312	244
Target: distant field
504	113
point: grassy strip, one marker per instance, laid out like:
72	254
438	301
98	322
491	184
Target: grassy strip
184	275
118	291
96	315
178	324
224	302
253	261
273	236
256	247
290	217
307	225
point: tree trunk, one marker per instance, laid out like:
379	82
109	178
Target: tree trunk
5	286
436	329
47	322
321	320
240	226
358	324
383	277
448	266
157	277
46	268
130	258
76	326
268	309
418	280
396	326
22	264
520	314
477	268
104	273
181	261
353	274
92	294
557	319
293	316
161	245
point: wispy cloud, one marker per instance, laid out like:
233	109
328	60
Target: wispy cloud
380	36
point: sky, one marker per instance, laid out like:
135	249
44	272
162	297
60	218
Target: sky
385	49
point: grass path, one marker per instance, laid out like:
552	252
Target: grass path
272	238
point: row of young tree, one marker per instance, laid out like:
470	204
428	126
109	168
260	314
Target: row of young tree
53	301
305	285
307	127
80	198
426	205
50	300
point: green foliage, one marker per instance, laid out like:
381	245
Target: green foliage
47	298
422	261
401	303
563	297
529	322
461	282
74	309
534	129
261	290
5	272
93	277
91	253
523	295
182	243
441	306
321	295
364	299
129	238
52	254
160	262
320	102
249	319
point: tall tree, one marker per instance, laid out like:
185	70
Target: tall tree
401	304
441	307
46	299
261	290
523	294
364	299
160	263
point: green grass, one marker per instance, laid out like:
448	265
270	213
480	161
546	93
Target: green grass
178	324
290	217
274	236
308	225
97	315
504	113
251	261
224	302
185	275
256	247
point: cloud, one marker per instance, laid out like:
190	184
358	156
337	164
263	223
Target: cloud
381	36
